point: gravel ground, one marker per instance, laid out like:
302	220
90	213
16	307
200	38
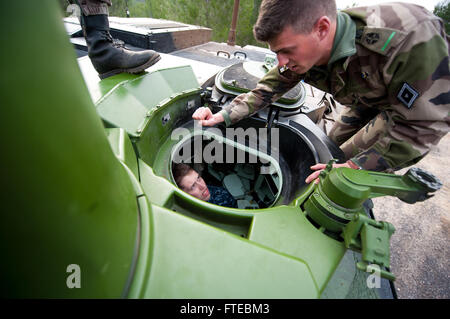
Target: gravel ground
420	252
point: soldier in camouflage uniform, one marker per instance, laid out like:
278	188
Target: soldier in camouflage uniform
388	64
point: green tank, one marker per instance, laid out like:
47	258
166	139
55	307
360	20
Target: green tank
91	209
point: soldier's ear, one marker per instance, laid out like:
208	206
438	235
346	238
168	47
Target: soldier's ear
322	27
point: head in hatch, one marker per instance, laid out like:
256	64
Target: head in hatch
190	181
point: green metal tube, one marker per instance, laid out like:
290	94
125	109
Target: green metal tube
70	213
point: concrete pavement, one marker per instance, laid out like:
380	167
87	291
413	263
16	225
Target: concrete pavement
420	250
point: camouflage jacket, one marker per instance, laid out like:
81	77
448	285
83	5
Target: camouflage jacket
393	58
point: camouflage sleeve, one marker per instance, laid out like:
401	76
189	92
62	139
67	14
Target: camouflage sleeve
418	82
269	89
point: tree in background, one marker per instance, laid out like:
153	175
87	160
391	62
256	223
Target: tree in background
214	14
442	10
63	5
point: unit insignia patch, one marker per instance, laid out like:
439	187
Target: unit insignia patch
407	95
372	38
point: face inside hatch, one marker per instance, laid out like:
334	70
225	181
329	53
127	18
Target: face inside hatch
253	183
190	181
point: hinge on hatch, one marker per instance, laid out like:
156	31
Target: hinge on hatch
372	239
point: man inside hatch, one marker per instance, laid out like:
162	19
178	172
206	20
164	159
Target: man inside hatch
192	183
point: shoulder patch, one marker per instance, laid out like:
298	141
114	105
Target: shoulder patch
379	40
372	38
407	95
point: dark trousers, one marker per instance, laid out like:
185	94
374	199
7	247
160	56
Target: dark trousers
93	7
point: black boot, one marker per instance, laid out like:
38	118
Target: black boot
108	57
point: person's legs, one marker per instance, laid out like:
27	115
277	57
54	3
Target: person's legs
92	7
108	57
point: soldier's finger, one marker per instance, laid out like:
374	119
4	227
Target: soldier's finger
318	166
201	113
197	115
209	122
312	177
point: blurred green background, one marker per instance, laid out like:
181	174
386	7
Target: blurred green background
214	14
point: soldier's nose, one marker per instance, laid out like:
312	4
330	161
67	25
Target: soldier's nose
282	61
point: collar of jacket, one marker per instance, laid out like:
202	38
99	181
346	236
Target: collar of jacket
344	39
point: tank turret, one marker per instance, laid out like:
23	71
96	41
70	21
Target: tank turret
92	209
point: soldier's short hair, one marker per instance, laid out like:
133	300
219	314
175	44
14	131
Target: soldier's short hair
179	171
301	15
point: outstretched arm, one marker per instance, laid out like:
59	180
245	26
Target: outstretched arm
269	89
